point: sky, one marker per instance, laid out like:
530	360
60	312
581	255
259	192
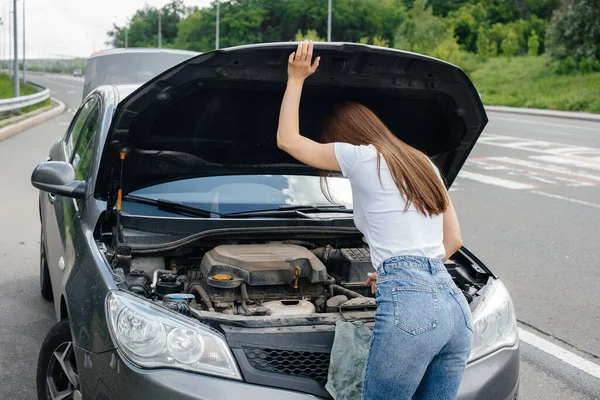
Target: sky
68	28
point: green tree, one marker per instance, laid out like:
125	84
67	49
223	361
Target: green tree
483	45
311	34
466	22
422	31
143	26
575	30
533	44
449	49
509	45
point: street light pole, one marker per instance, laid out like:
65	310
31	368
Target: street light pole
126	38
159	30
218	17
329	21
24	63
16	59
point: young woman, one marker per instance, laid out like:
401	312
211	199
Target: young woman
423	329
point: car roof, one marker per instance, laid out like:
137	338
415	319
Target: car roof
126	90
130	50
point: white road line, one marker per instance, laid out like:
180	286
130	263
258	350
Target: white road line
552	148
563	355
537	178
576	201
528	121
549	168
491	180
552	132
575	162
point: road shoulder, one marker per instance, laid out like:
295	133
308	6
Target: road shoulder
18	124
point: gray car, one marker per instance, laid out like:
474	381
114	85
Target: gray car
189	258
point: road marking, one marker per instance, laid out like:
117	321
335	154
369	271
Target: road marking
536	146
491	180
564	355
570	161
529	121
552	132
580	176
64	123
576	201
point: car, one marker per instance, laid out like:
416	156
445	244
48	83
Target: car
188	257
130	65
77	72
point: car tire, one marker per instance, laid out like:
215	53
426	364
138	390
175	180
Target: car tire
45	284
57	374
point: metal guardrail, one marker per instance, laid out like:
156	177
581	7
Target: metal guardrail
16	103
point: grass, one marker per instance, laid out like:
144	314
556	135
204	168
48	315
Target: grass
531	82
6	91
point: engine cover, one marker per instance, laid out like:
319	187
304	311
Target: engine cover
227	266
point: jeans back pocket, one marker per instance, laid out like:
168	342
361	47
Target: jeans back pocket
464	306
415	308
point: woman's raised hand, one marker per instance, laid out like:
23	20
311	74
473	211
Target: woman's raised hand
300	64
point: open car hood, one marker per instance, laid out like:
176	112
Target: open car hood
217	113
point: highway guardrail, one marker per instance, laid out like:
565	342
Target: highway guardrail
16	103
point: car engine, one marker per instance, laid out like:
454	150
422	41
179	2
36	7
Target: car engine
258	279
267	279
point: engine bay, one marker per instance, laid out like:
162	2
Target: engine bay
269	278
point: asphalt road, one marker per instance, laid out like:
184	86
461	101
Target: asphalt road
528	201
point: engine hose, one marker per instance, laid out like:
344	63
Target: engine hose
203	295
245	297
349	293
328	284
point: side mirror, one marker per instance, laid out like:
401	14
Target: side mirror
58	178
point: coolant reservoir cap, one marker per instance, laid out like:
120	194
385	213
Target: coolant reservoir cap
222	277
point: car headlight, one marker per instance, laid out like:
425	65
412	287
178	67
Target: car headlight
151	337
494	322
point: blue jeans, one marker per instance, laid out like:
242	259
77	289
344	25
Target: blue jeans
422	334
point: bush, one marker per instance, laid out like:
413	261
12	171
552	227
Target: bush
509	45
311	34
483	45
571	65
575	30
533	44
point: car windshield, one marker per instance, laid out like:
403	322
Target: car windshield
244	193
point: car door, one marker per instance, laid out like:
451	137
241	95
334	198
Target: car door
58	211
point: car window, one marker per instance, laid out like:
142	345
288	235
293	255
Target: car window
77	124
82	158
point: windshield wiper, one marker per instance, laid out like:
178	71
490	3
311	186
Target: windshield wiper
290	211
173	207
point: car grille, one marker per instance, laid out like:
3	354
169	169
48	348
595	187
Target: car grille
300	363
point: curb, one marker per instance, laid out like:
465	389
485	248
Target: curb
32	121
581	116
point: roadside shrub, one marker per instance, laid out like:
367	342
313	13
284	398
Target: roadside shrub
533	44
572	65
509	45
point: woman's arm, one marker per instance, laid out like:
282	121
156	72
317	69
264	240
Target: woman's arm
305	150
452	238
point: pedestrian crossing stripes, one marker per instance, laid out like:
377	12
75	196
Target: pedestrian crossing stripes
558	165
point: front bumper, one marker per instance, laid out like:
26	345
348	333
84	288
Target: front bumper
109	376
494	377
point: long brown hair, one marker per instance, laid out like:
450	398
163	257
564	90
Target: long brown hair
411	169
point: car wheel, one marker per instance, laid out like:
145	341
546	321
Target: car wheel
45	284
57	374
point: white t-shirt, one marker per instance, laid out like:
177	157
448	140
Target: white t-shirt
379	209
